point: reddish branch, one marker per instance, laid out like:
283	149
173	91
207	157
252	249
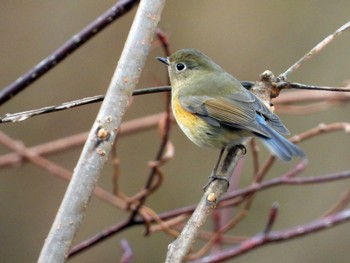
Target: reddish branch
77	140
286	179
127	255
278	236
165	126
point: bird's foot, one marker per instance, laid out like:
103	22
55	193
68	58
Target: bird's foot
242	147
214	177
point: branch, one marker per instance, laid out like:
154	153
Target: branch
314	50
165	145
93	156
300	96
128	254
21	116
278	236
77	140
178	250
24	115
54	168
291	85
309	102
285	180
116	11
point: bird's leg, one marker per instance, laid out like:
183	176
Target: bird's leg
242	147
213	175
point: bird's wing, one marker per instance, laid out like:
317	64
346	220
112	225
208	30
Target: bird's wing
261	108
222	111
238	110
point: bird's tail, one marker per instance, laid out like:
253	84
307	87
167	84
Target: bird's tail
277	144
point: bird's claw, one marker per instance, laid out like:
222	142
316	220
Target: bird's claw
242	147
214	177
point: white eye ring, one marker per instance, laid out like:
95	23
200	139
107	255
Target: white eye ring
180	66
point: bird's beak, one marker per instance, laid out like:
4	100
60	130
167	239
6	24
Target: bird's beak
163	60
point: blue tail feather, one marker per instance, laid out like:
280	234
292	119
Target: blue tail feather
276	143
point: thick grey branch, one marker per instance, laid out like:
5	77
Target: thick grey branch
178	250
102	134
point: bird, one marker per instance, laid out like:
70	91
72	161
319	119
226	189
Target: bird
214	110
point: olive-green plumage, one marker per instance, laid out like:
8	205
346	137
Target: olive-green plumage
214	110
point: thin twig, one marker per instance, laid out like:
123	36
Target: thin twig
77	140
127	252
321	128
309	102
116	11
24	115
299	96
218	234
21	116
55	169
272	218
286	179
340	205
255	152
293	85
305	109
278	236
98	238
314	50
164	125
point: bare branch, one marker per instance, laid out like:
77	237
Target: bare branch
77	140
127	255
93	156
300	96
116	11
21	116
54	169
314	50
272	218
165	150
24	115
286	179
293	85
178	250
278	236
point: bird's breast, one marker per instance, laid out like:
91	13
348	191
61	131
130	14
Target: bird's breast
196	129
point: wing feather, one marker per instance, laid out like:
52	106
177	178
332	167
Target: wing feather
222	111
234	107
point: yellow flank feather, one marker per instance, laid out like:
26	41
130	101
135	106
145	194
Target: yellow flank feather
187	119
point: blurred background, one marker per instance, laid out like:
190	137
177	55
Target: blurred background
245	38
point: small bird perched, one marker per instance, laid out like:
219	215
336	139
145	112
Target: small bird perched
214	110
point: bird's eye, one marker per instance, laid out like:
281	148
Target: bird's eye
180	66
